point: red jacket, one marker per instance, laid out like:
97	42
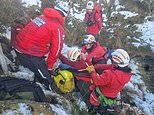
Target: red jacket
96	53
110	82
95	28
43	35
80	65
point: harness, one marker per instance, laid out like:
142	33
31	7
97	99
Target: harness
91	19
104	100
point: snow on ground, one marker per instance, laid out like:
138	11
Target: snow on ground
147	29
77	14
117	4
126	14
24	109
31	2
24	73
140	94
58	110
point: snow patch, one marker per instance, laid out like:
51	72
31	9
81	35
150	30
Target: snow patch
147	29
24	109
58	110
126	14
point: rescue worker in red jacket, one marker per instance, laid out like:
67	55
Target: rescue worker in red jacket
93	20
74	60
112	80
44	35
92	51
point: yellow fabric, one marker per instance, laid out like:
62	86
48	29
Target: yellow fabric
90	68
65	81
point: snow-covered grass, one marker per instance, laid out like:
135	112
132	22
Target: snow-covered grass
139	93
24	73
58	110
147	29
126	14
117	4
77	14
31	2
23	109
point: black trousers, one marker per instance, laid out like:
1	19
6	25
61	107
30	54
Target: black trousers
36	65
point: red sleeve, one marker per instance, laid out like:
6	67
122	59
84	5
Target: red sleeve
99	20
79	65
83	50
103	66
102	79
65	60
55	49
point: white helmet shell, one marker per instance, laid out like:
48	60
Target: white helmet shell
90	5
62	7
121	57
74	54
88	39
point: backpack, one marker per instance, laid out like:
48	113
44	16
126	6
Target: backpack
14	88
98	8
64	81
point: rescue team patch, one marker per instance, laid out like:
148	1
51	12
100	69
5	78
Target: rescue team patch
39	21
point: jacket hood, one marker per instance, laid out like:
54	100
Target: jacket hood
52	13
124	77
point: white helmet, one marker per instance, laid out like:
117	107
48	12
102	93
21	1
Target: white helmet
90	5
88	39
74	54
120	57
63	7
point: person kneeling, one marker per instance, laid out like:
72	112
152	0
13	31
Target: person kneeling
106	86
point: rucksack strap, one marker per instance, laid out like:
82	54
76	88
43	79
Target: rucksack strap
91	18
103	99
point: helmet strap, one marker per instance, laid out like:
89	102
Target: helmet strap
125	69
